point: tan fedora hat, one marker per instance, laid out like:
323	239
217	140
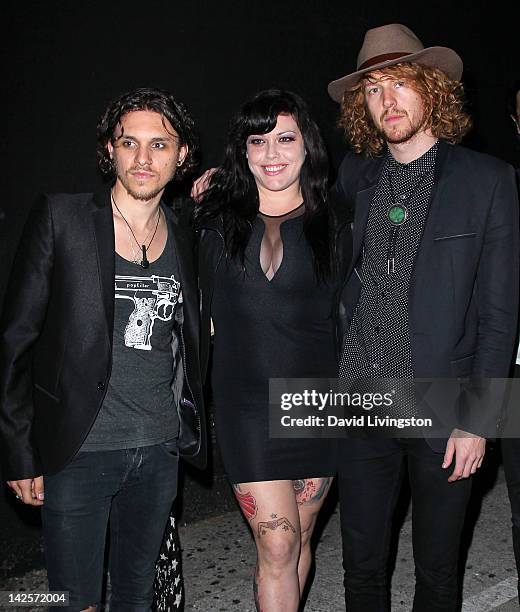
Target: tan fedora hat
392	44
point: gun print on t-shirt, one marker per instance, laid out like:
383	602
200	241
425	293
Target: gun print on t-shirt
153	297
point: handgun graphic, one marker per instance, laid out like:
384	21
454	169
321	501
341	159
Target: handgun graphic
153	298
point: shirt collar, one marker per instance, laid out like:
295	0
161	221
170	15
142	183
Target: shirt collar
417	167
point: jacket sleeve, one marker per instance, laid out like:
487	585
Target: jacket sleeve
23	316
497	281
339	198
497	302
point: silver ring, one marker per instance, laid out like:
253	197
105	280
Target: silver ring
18	497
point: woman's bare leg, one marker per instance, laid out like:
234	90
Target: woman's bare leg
310	495
272	512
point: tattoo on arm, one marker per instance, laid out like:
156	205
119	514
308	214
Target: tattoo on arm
246	502
283	522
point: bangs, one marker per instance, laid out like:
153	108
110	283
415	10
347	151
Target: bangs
262	115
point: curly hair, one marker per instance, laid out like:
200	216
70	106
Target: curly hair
233	193
443	100
147	99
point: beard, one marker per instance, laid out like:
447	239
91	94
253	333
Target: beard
404	133
143	194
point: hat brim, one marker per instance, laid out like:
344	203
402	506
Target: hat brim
436	57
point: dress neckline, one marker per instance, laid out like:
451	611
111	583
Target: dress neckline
289	212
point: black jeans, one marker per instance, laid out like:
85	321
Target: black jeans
369	488
511	460
133	490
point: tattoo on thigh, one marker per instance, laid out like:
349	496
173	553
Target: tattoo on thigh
246	502
298	486
283	522
304	490
307	491
323	488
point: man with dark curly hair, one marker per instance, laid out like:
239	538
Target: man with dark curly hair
432	293
100	373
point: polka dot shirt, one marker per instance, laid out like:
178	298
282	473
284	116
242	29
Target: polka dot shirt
377	344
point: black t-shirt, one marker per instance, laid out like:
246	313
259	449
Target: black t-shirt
138	409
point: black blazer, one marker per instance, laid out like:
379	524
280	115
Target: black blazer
463	295
56	335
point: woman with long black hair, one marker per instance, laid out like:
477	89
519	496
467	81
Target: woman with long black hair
271	256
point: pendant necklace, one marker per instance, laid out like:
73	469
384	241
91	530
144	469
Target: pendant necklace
397	214
144	263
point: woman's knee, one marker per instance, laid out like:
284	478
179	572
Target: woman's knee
278	551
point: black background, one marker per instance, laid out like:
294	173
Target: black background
66	60
63	61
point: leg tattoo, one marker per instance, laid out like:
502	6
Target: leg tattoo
306	490
246	502
323	488
298	486
283	522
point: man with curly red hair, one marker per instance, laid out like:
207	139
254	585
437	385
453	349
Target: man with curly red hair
432	293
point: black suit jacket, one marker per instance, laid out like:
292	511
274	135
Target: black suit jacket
463	295
56	335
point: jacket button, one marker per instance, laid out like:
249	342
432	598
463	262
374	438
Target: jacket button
101	386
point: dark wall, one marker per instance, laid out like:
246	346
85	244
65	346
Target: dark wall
64	60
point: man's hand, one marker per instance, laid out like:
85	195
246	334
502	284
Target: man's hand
29	490
201	184
469	451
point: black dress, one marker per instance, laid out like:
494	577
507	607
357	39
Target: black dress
264	328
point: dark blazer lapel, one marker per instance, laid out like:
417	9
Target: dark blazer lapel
182	239
210	254
105	245
439	209
439	204
366	189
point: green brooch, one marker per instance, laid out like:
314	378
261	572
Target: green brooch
397	214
